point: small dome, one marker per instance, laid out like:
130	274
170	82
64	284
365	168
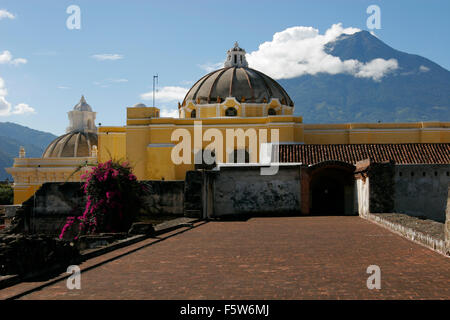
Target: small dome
82	105
72	144
139	105
239	82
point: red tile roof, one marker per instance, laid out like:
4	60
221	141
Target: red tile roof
408	153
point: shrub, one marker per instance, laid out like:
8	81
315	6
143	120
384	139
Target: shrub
113	200
6	194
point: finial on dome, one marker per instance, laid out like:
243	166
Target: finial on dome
82	105
22	152
86	122
236	57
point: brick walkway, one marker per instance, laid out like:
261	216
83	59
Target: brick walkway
269	258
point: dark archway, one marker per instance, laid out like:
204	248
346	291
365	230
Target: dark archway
332	188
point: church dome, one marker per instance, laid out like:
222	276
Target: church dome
242	83
236	80
72	144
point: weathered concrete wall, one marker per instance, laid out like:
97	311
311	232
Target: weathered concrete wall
381	187
165	197
243	190
47	211
193	194
375	187
422	190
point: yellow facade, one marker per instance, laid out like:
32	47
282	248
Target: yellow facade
147	143
361	133
30	173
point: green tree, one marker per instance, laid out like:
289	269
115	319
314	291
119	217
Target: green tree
6	194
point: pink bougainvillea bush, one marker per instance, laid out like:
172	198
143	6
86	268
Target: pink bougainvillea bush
112	200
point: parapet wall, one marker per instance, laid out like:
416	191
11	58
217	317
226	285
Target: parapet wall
421	190
243	190
165	197
416	190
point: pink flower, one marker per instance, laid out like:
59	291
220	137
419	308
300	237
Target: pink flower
69	222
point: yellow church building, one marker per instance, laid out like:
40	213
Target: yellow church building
236	102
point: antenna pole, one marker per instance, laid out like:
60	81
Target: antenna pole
154	88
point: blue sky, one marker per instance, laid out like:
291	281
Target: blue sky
175	39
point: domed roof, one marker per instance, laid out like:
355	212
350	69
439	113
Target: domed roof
139	105
72	144
238	82
82	105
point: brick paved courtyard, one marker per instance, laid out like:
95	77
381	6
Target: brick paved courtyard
268	258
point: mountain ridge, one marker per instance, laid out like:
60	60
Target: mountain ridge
12	136
418	90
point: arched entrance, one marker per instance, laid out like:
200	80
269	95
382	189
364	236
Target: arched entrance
331	188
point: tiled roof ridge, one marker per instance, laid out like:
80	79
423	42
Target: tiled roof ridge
401	153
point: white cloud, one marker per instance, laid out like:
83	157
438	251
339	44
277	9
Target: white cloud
166	94
107	82
4	14
7	58
5	106
22	108
424	69
299	51
3	91
118	80
169	113
209	67
107	56
187	82
376	68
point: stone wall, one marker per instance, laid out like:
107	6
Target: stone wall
243	190
165	197
375	187
421	190
47	211
416	190
381	187
193	194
